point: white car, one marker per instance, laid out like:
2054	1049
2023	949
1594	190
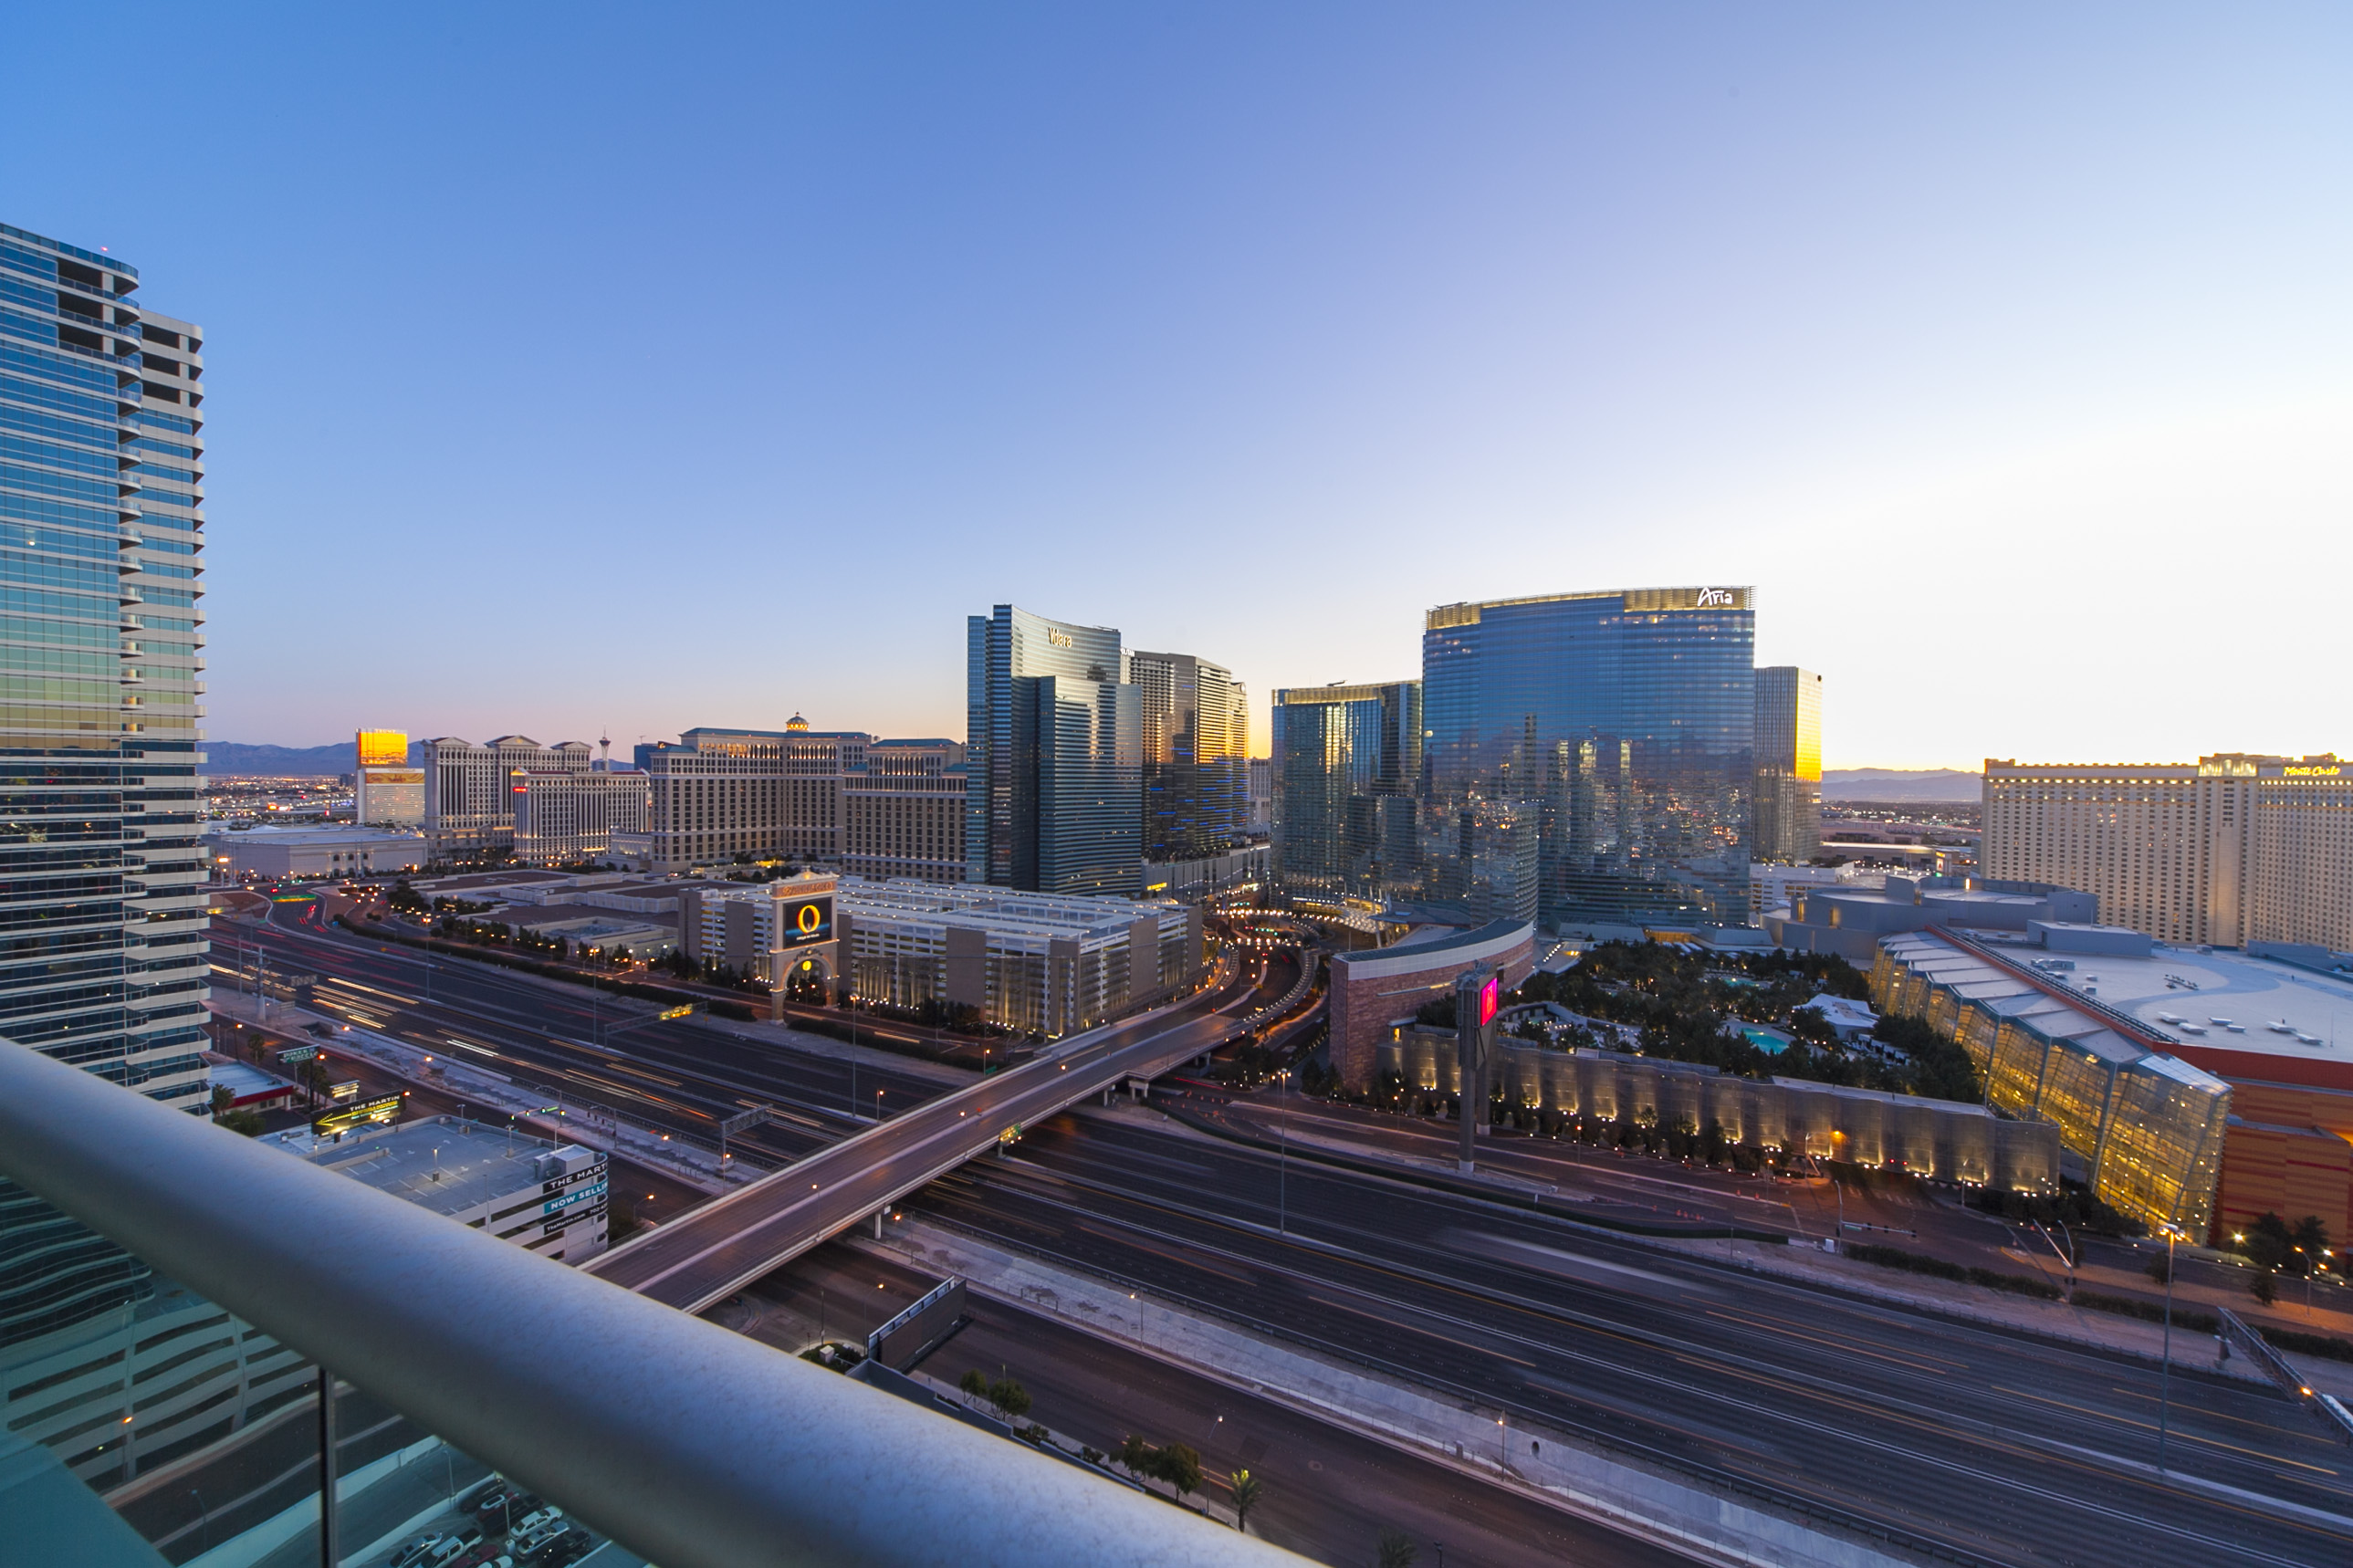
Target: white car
415	1551
538	1519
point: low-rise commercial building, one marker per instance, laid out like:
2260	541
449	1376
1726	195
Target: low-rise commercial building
1046	963
2143	1127
1377	991
544	1196
295	852
1849	920
1043	964
1946	1140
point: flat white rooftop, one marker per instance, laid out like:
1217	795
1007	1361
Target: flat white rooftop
2226	1000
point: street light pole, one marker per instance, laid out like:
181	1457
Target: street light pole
2165	1365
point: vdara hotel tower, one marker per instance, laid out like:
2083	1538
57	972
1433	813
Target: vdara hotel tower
105	959
1590	756
1053	756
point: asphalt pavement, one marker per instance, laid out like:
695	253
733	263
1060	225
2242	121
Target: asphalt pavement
1329	1492
2011	1449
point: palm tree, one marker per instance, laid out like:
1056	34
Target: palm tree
1397	1550
1247	1489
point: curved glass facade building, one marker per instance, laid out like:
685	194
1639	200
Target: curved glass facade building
1053	757
1600	746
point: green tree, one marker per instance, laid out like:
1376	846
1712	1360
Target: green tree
2263	1288
1248	1490
1009	1397
247	1122
2311	1239
2158	1268
2270	1244
223	1098
1397	1550
1180	1467
973	1383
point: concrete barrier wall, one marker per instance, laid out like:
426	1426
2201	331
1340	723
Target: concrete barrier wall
1944	1139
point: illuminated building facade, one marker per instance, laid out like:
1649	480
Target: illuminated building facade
1195	741
2147	1127
390	789
1622	723
1346	763
902	812
1038	962
1788	796
1054	757
2232	849
470	791
724	794
567	818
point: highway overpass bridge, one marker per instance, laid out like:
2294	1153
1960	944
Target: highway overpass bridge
715	1250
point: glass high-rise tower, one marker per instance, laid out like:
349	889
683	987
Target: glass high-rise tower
1196	755
1346	763
103	957
1788	810
1620	727
1053	757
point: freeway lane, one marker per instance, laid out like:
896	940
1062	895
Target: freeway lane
695	1261
1329	1491
678	1075
2010	1449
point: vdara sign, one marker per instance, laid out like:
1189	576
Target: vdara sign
1057	636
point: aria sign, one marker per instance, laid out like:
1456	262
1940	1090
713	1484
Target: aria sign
1716	598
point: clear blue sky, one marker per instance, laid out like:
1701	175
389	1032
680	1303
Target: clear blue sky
577	367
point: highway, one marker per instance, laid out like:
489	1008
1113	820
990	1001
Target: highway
680	1075
1985	1444
2005	1448
1330	1492
714	1251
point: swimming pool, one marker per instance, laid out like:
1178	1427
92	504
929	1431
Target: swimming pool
1769	1041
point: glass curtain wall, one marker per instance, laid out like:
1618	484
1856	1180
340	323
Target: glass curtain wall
104	961
1346	760
1622	725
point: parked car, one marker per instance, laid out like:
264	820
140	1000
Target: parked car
525	1545
502	1505
414	1553
450	1547
566	1550
536	1520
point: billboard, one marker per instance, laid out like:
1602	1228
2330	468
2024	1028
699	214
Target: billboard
1489	997
801	922
383	1109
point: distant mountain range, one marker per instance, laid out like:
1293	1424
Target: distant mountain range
1896	784
230	757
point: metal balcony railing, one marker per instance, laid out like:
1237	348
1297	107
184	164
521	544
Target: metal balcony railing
695	1446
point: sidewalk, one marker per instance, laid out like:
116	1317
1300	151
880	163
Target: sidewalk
1724	1529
